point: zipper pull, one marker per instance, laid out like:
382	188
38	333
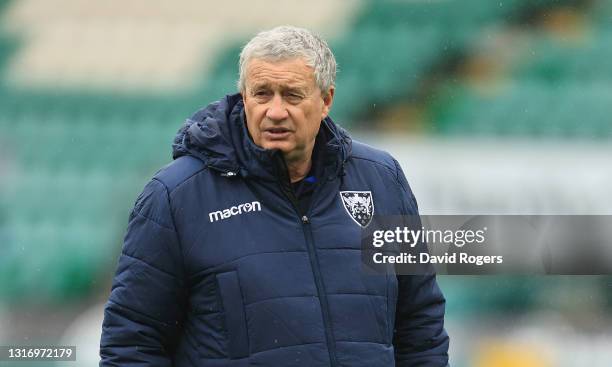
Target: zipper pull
305	219
228	174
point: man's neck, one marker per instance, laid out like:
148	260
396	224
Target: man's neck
298	169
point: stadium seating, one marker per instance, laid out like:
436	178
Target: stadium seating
395	44
583	57
527	108
546	93
70	160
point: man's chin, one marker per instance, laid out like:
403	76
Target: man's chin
284	147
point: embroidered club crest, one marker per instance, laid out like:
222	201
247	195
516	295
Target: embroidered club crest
359	205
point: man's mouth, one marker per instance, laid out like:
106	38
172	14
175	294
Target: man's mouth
276	133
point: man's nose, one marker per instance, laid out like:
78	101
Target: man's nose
277	110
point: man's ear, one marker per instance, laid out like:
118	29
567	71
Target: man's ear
328	99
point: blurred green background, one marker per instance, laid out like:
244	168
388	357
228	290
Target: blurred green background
491	107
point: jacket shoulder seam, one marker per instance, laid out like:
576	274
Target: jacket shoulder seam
187	179
171	190
376	162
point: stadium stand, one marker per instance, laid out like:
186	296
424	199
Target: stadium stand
562	73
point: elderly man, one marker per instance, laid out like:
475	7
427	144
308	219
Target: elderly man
244	251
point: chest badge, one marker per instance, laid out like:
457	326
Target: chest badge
359	206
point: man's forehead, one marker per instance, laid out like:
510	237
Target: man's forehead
282	84
292	72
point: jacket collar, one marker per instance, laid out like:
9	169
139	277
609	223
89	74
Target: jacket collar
217	135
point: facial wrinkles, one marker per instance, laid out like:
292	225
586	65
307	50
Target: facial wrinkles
261	74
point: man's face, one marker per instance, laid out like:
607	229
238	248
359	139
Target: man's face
284	107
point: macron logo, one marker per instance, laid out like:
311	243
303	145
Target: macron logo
255	206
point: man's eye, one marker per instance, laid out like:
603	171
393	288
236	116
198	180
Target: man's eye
294	97
261	93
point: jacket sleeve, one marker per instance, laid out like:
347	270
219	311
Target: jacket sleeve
419	337
143	315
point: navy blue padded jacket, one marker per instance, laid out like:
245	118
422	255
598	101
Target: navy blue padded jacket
219	268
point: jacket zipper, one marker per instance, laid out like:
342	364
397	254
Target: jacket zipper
316	270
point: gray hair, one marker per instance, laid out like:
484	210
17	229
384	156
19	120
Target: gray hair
288	42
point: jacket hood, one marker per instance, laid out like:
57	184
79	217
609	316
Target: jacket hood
217	135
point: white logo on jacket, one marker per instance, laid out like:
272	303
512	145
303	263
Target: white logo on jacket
359	205
254	206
